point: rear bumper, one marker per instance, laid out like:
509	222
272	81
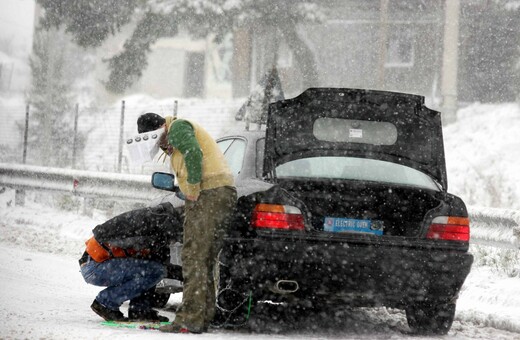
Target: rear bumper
361	275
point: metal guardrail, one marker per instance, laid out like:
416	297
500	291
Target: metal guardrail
79	182
495	227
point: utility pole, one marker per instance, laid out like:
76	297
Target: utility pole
383	37
241	62
450	61
75	138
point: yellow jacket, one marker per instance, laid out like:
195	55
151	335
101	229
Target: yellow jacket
215	170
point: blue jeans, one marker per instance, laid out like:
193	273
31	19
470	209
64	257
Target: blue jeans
126	279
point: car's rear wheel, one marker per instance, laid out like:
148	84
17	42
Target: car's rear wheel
234	301
431	318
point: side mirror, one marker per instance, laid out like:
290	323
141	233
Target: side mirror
164	181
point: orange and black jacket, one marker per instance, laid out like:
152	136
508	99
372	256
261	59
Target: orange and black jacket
142	233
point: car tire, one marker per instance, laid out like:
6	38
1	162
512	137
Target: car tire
234	302
159	300
430	318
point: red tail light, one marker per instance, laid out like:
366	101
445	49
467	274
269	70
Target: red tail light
449	228
274	216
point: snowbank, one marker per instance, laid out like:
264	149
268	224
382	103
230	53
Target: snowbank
483	155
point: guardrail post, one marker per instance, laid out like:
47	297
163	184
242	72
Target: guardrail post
25	134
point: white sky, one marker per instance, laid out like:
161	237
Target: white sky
16	24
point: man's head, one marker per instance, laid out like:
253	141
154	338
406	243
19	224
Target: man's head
149	122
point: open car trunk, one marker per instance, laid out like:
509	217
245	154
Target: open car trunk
363	207
378	125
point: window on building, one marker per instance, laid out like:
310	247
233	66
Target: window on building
194	76
400	47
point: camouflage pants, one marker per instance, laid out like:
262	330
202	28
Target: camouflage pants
204	229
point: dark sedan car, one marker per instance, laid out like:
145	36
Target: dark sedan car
343	201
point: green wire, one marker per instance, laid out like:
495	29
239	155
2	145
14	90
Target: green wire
249	305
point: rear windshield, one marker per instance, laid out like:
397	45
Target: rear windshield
352	168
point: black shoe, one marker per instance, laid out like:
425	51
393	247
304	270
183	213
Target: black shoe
146	315
106	313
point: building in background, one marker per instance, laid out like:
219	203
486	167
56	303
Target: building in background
361	44
178	67
394	45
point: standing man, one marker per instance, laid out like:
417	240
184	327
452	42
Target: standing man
208	186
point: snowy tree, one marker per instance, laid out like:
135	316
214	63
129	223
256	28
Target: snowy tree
267	91
51	129
91	22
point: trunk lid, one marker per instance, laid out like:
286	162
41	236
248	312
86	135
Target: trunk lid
388	126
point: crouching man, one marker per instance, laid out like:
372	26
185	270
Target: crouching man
128	255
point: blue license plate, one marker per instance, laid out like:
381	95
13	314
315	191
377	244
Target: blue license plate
350	225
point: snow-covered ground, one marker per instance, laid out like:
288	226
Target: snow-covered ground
42	293
483	155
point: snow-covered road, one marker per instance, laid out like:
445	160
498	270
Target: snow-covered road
43	296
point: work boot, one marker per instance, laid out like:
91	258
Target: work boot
106	313
175	328
148	315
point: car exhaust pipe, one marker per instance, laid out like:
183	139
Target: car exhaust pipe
285	286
